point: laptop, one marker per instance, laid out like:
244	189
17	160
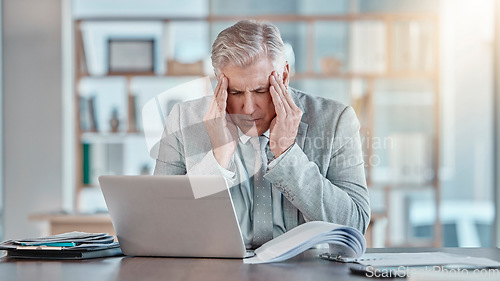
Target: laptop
159	216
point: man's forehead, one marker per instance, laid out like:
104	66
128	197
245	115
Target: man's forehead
248	84
249	77
250	88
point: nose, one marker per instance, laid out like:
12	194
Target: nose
248	104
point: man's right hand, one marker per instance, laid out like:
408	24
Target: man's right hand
221	130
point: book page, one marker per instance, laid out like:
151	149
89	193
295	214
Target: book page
306	236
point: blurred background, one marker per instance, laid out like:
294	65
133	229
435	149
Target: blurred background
421	76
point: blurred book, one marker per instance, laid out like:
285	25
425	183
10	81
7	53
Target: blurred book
101	159
412	46
86	163
88	121
93	120
367	52
410	158
133	125
84	114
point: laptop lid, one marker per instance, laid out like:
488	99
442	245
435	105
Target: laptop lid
159	216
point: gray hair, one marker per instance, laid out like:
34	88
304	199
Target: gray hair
244	42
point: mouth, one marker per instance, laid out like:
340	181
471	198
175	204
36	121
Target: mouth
250	121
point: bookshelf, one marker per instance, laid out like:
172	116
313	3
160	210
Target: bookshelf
361	77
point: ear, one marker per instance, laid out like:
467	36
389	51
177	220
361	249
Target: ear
286	75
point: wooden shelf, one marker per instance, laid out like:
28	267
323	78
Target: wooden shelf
350	75
272	17
295	76
142	74
90	137
401	186
90	185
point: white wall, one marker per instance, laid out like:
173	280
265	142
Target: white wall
1	134
31	113
467	96
497	124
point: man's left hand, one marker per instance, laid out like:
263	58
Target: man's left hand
285	124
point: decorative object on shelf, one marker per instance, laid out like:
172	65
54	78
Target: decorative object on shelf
131	55
178	68
145	169
114	122
331	65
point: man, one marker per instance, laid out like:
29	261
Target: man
308	164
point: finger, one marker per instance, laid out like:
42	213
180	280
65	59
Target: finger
222	96
225	83
217	88
280	92
213	105
217	94
278	103
280	82
287	96
213	102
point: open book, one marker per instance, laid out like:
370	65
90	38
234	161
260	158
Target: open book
344	242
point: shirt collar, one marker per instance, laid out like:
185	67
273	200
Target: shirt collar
244	138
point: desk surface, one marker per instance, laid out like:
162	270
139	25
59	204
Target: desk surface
306	266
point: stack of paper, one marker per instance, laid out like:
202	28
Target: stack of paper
344	241
71	245
421	259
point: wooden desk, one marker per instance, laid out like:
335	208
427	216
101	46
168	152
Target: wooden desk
306	266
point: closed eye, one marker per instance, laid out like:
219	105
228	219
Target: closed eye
261	90
235	93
